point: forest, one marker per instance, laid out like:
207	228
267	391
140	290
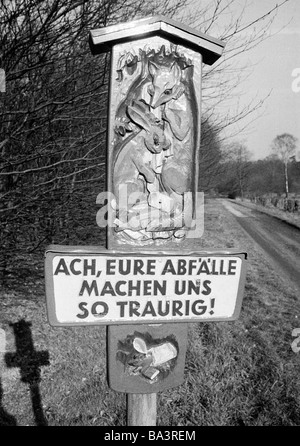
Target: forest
269	177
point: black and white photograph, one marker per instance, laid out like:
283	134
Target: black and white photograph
149	216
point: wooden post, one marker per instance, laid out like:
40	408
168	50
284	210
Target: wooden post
146	138
141	386
153	138
141	409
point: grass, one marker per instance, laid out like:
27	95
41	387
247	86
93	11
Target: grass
237	373
289	217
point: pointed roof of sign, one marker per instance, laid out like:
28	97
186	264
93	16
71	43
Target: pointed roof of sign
102	39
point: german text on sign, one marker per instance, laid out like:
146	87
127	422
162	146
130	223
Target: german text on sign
105	289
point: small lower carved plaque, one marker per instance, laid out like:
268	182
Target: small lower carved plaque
146	358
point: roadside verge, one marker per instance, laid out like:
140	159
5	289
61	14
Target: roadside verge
287	217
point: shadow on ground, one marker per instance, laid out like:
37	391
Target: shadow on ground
29	361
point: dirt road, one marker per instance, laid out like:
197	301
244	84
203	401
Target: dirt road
279	240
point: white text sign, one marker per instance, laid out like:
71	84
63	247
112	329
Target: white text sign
109	288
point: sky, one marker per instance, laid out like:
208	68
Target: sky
275	72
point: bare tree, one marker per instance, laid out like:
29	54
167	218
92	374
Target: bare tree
210	156
284	146
236	169
227	20
241	156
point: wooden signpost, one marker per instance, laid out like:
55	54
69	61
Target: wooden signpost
150	280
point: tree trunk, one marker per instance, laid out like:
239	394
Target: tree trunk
286	180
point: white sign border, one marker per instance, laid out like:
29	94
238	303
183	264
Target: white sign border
55	250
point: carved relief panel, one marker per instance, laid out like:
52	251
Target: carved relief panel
154	134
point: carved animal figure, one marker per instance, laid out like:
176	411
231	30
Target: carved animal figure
172	89
159	180
133	166
134	93
166	83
